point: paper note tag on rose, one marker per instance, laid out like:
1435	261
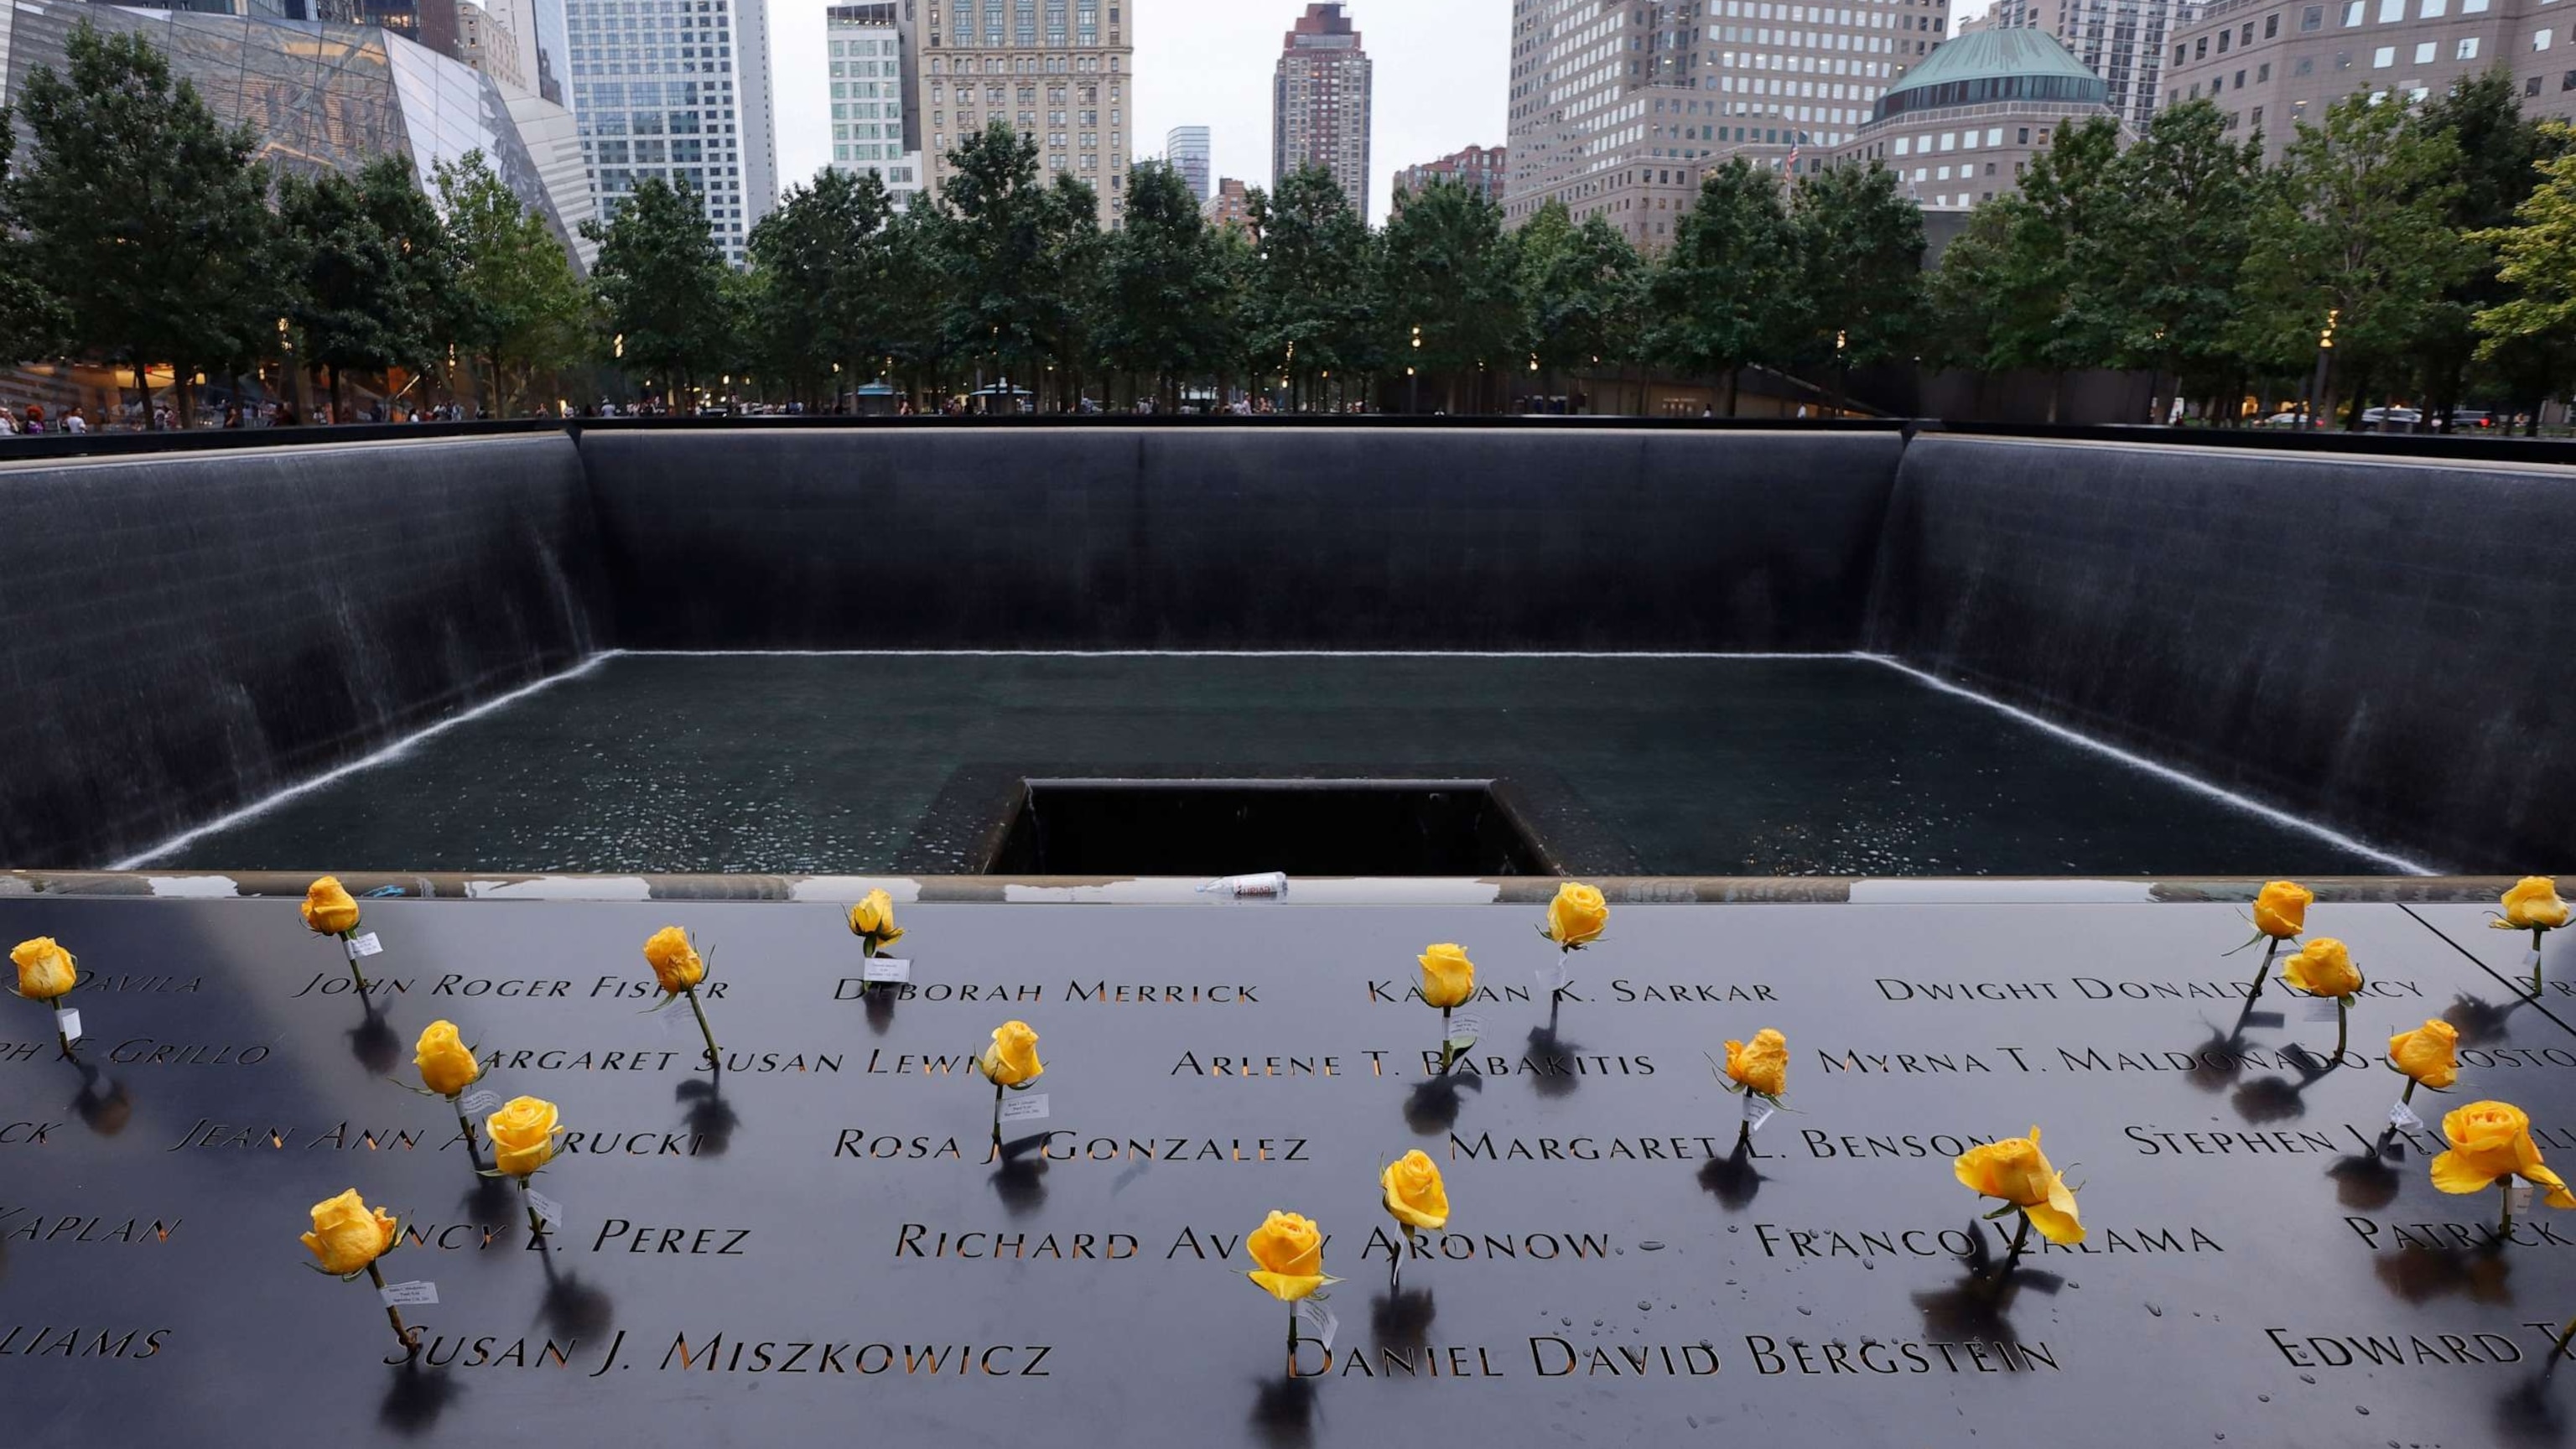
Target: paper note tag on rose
886	968
2323	1008
2404	1116
366	945
420	1292
1321	1322
2531	959
1553	978
481	1103
67	1021
2517	1196
547	1208
1756	1111
1268	883
1029	1108
1463	1030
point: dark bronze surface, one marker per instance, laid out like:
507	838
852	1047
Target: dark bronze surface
747	1221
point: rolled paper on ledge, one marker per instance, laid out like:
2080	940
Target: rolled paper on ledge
1269	883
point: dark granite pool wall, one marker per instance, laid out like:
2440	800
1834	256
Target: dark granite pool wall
2384	644
185	633
2379	643
1091	538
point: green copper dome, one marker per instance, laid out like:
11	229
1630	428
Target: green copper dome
1989	66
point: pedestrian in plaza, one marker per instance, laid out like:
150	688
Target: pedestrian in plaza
73	422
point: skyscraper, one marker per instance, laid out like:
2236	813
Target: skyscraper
678	89
1060	72
1617	108
2122	41
1320	102
869	76
1188	148
1479	168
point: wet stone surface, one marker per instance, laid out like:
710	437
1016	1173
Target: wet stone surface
824	1230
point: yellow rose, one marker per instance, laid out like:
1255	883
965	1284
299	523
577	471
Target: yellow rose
2281	910
674	961
347	1235
328	910
2490	1141
1761	1065
2430	1054
2534	906
45	969
1448	977
1577	916
873	919
1291	1254
1012	1059
1414	1191
523	1136
2018	1172
446	1067
2323	967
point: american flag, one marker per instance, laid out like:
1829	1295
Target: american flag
1794	153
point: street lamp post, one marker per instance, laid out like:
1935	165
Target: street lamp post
2325	354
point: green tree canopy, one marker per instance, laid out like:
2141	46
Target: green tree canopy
1724	297
660	279
517	308
147	218
1446	267
2356	231
1163	310
1582	290
1860	269
1309	310
2154	279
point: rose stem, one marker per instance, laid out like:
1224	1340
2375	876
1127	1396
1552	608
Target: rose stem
1444	1041
2343	1026
867	952
2265	970
714	1057
61	1035
391	1311
2564	1334
2535	961
536	1225
346	939
2504	1228
1292	1340
2021	1240
2410	1091
1743	1135
473	1153
997	1111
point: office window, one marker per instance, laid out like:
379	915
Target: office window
2567	82
2384	57
2542	38
2468	48
2353	11
2263	73
2391	11
2312	18
2258	118
2223	38
2531	87
2304	65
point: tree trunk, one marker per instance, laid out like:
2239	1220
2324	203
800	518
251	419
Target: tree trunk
1734	390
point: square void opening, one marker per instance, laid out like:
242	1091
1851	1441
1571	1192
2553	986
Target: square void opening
1232	827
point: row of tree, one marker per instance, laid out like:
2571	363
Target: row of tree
2433	246
2410	251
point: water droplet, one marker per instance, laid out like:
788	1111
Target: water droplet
2265	1398
2307	1378
1566	1322
1805	1311
1650	1246
2360	1409
2158	1312
1645	1307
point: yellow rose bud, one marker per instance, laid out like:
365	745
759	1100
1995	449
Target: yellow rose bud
523	1135
1415	1193
2534	905
328	909
674	961
2430	1054
2491	1141
1577	916
347	1235
1448	977
1012	1059
1291	1254
873	918
45	969
2018	1172
1761	1065
2281	910
446	1067
2323	967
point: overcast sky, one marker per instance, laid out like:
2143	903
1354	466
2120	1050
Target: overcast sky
1441	73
